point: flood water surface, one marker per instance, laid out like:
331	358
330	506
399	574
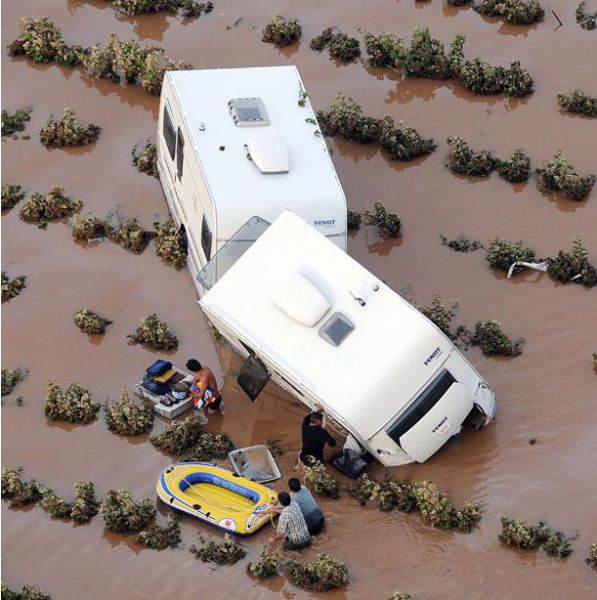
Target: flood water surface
548	394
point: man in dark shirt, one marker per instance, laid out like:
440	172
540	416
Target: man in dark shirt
314	436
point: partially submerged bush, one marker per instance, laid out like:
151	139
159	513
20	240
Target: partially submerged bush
529	537
439	313
210	446
54	505
340	45
591	560
493	341
188	8
73	405
403	143
316	476
559	175
266	566
42	208
170	243
346	119
225	552
122	514
320	41
584	19
11	123
425	57
89	322
384	50
67	131
147	160
131	236
19	492
464	160
573	266
461	243
127	417
85	506
91	228
502	254
518	12
517	168
10	379
386	222
364	489
353	219
558	545
579	102
281	31
179	436
398	595
160	538
12	287
322	573
11	195
29	592
273	445
153	333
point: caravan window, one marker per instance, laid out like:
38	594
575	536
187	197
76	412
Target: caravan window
179	153
206	238
169	133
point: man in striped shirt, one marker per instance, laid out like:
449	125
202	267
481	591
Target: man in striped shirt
292	525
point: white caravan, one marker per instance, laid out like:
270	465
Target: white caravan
329	332
238	143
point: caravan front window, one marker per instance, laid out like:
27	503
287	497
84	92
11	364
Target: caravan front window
169	133
179	153
206	238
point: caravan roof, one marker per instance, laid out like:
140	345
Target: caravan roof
297	298
259	148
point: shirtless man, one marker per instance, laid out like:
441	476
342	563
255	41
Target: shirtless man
204	388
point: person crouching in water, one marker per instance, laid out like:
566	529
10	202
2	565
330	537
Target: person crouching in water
204	388
292	526
311	511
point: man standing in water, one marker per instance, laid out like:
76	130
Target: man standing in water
204	388
314	436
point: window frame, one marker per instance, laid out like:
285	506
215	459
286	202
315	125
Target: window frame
179	153
168	128
206	228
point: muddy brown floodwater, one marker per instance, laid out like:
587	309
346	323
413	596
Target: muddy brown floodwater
549	393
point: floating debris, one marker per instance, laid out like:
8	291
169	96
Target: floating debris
267	565
353	219
127	417
11	378
403	143
461	243
29	592
340	45
584	19
494	342
12	287
179	436
386	222
67	131
518	12
147	160
322	573
316	476
573	266
91	228
281	31
502	254
19	492
131	236
160	538
42	208
89	322
591	560
559	175
73	405
170	243
122	514
273	445
85	505
346	119
11	123
579	102
153	333
209	447
464	160
11	195
54	505
517	168
225	552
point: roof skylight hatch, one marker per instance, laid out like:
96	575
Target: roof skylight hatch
248	112
336	329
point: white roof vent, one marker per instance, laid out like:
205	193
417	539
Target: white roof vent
248	112
268	151
299	299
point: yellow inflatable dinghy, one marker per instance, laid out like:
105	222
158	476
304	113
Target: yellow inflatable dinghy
216	496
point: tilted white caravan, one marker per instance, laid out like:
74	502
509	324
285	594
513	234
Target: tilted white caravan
239	143
330	332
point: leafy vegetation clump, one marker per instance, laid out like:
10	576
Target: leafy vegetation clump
558	545
122	514
11	378
67	131
160	538
464	160
386	222
12	287
584	19
398	595
353	219
91	228
19	492
439	313
316	476
340	45
461	243
11	123
170	243
346	119
403	143
559	175
518	12
210	446
529	537
85	506
147	160
494	342
42	208
384	50
266	566
28	592
502	254
281	31
322	573
319	42
364	489
273	445
227	551
73	405
188	8
426	57
517	168
131	236
579	102
591	560
89	322
126	417
574	265
54	505
153	333
179	436
11	195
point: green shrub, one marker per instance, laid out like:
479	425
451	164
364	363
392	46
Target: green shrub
147	160
54	505
273	445
43	208
398	595
319	480
346	119
19	492
153	333
579	102
11	378
91	228
322	573
559	175
403	143
122	514
573	266
425	57
353	219
179	436
225	552
502	254
384	50
440	314
210	446
340	45
266	566
464	160
11	195
517	168
517	533
584	19
131	236
320	41
29	592
73	405
67	131
89	322
386	222
494	342
160	538
85	506
591	560
170	243
126	417
11	123
461	243
518	12
281	31
12	287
